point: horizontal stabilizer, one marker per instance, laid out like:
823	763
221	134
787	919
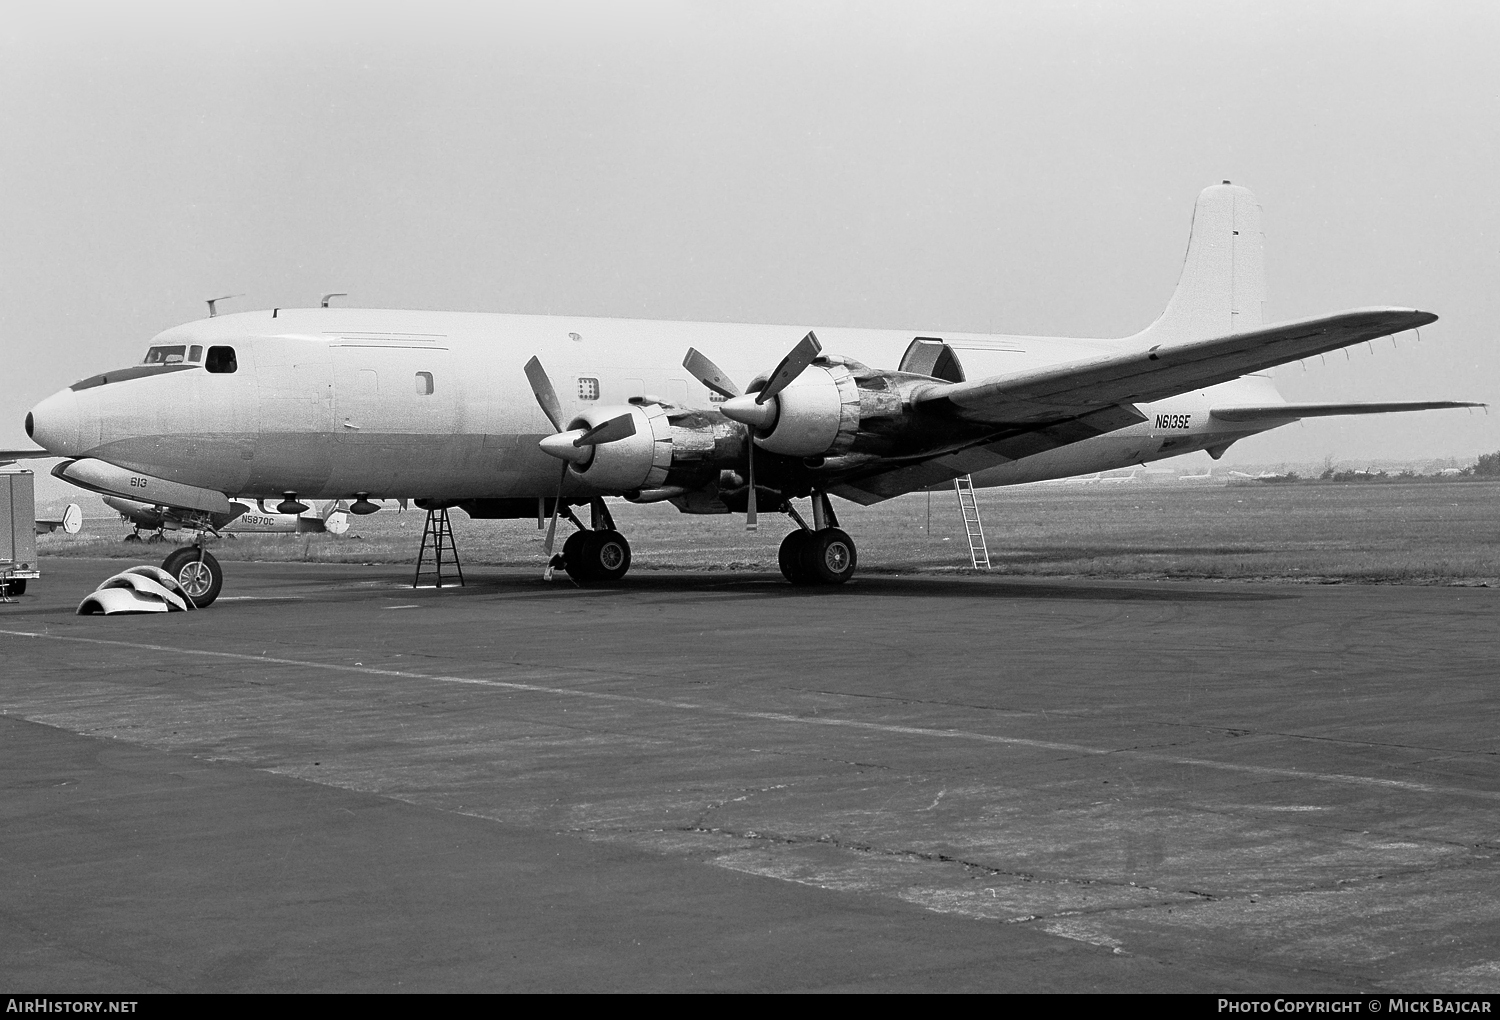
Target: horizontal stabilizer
1288	412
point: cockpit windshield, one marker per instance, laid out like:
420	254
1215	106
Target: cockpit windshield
174	355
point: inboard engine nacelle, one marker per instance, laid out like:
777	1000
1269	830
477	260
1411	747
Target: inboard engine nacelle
815	415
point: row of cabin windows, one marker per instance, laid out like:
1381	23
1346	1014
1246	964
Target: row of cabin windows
221	360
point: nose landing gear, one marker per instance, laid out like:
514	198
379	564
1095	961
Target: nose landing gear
822	554
196	570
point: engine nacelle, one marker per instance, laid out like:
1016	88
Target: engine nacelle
817	415
671	447
638	461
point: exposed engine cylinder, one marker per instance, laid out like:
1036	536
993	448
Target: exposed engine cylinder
817	415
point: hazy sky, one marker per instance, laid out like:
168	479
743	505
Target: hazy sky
1026	168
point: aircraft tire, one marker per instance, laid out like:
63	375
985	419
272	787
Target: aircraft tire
15	586
575	561
790	556
829	557
203	581
606	554
132	537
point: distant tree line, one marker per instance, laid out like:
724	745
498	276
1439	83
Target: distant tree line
1487	467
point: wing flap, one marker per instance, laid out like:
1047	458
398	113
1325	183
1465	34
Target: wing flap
1291	412
1159	371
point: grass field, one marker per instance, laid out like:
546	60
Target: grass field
1391	533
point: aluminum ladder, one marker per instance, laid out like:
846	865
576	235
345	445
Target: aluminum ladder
979	553
437	534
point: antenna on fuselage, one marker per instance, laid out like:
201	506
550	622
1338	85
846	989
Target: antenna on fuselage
212	311
330	296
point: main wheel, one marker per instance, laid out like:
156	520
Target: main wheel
602	556
609	555
575	562
200	579
15	586
829	557
134	536
789	556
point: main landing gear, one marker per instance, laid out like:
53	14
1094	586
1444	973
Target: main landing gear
821	554
598	553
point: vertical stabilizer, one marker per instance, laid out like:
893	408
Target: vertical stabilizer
1223	284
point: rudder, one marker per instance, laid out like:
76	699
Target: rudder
1223	284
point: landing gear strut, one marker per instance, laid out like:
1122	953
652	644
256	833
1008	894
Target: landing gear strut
822	554
599	553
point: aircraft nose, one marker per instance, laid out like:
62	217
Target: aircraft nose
53	424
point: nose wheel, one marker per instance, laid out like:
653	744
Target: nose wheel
199	574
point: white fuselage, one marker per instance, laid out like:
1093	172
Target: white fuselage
328	403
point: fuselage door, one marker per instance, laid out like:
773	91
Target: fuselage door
393	390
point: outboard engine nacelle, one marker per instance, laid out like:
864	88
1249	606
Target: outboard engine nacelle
815	415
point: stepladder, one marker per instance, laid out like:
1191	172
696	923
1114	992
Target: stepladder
437	541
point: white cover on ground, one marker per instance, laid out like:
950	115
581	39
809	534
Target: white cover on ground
141	589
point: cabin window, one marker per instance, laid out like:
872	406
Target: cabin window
221	359
424	384
588	389
195	353
165	355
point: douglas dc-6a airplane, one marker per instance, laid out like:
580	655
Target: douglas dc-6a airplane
459	410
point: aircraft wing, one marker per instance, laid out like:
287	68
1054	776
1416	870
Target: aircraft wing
8	456
1068	391
1046	408
1288	412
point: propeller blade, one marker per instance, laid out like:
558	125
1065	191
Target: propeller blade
790	368
622	427
552	525
546	396
751	522
709	374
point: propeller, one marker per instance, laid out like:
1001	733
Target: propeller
573	446
757	409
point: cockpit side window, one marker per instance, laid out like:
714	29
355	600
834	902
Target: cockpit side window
221	359
166	355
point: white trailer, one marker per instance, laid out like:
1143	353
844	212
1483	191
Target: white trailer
17	530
